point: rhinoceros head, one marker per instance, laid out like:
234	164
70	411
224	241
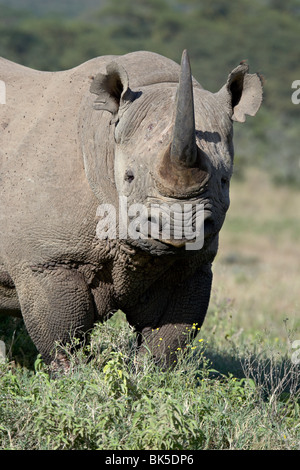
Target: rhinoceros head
173	143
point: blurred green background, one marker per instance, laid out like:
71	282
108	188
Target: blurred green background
60	34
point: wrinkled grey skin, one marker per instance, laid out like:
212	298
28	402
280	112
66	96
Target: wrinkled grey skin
74	139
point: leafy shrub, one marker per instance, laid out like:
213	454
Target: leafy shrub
107	403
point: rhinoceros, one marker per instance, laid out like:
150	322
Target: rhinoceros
138	129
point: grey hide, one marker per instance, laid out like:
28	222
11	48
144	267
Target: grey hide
135	128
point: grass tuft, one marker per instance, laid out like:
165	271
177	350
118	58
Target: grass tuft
106	402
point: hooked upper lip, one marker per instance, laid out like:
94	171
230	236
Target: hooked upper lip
177	222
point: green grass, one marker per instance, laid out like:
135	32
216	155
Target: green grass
283	227
222	395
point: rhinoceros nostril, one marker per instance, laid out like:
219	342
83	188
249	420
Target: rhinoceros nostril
129	176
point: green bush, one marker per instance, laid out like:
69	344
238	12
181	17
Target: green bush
108	402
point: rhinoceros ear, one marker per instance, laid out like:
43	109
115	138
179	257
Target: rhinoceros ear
112	89
242	93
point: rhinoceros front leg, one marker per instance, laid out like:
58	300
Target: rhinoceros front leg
183	312
55	304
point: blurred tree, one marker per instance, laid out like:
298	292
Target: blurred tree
217	34
148	24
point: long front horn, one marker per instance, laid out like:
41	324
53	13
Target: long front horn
183	147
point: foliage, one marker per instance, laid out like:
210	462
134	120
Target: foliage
107	402
40	8
218	36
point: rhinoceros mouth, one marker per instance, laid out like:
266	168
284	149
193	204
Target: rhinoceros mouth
175	222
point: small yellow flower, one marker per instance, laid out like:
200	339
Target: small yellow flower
160	339
178	349
200	340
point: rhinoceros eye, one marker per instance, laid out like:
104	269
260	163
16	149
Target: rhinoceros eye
129	176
